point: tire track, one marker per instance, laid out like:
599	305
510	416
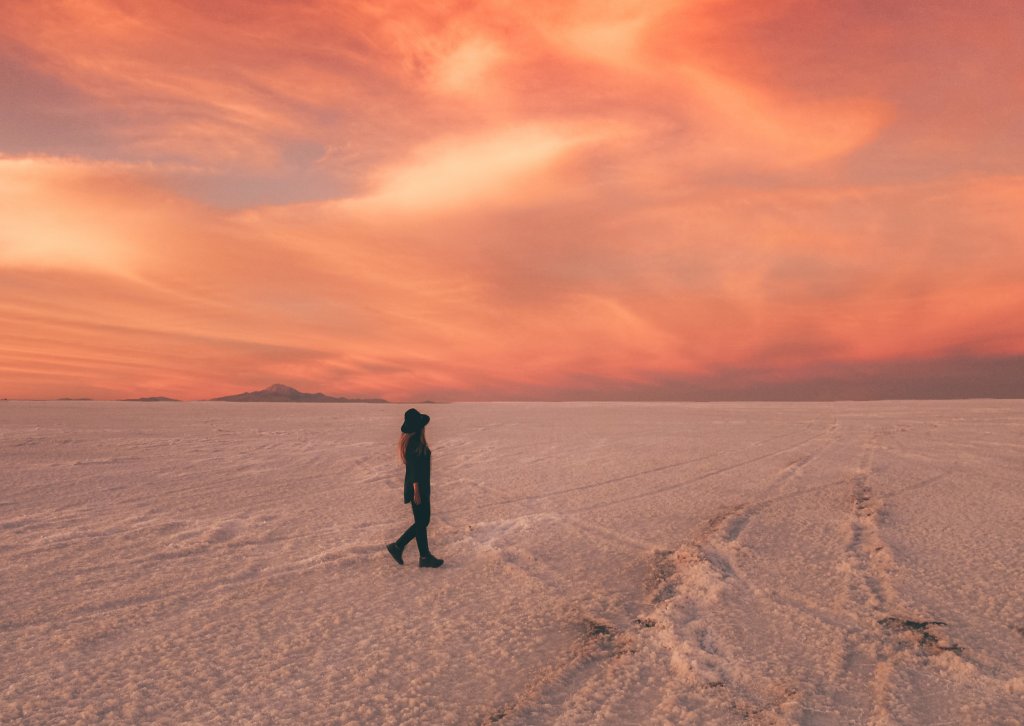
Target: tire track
608	649
686	585
885	637
644	472
690	582
667	626
665	631
831	430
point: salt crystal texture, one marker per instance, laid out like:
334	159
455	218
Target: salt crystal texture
605	563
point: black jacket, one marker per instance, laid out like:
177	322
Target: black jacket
417	469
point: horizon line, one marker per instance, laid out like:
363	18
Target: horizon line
530	400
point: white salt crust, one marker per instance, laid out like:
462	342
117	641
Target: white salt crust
606	563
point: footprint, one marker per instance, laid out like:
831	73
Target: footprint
661	587
926	633
734	527
224	531
595	630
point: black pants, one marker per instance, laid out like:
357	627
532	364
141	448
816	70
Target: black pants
421	518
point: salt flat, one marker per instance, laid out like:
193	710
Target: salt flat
606	563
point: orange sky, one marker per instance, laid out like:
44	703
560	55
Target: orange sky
512	200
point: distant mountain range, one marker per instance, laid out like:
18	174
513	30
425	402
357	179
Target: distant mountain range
280	393
150	399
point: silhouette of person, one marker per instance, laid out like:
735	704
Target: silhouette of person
413	449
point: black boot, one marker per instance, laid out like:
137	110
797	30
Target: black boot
395	552
430	561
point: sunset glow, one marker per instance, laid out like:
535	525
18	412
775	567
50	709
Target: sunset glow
613	200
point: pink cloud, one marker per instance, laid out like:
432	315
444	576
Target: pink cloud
519	201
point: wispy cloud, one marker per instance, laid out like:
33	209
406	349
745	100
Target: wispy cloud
538	200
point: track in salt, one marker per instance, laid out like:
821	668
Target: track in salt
677	486
658	470
683	584
883	637
691	581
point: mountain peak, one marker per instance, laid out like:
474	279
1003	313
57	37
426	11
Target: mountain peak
280	389
280	393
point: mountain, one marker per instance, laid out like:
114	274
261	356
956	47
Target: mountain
279	393
150	399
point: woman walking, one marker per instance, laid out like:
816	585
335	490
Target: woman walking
412	447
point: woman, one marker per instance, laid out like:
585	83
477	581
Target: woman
412	447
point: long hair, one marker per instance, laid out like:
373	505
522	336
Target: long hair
421	443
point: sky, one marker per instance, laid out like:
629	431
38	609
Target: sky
497	200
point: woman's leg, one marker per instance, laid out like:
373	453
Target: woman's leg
421	513
418	529
410	533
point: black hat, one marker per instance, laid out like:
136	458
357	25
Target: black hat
414	421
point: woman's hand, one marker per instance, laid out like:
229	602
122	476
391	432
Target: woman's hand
416	493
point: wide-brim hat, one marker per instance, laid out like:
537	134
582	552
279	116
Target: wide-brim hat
414	421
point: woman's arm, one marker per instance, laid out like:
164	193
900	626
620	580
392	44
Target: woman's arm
420	473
